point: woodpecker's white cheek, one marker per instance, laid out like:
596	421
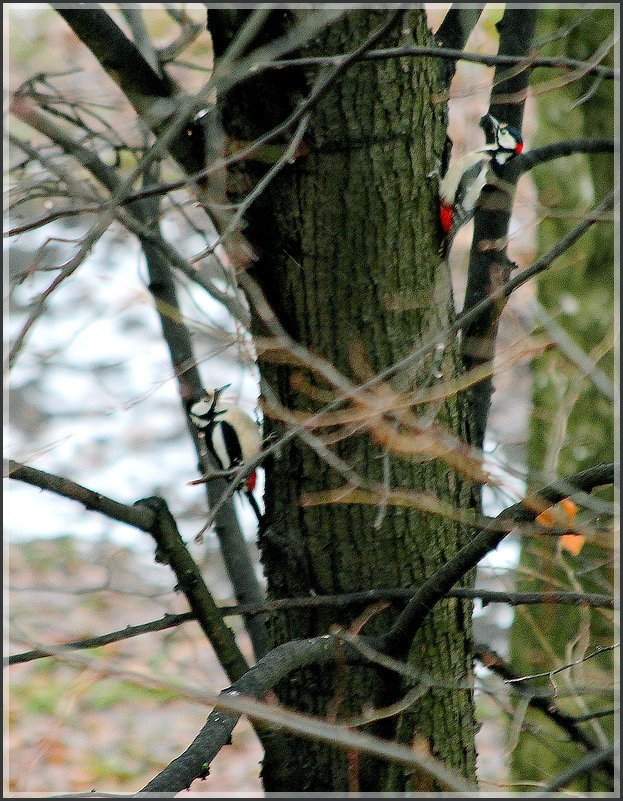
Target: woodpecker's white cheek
506	140
201	407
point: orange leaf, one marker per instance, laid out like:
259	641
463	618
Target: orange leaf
572	543
561	515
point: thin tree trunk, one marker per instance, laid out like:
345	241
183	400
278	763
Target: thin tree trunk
348	259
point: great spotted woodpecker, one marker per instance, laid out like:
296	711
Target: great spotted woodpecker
462	184
229	435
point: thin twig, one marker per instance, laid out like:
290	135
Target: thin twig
540	264
530	61
549	673
257	190
545	705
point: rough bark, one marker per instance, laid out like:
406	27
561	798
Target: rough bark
347	240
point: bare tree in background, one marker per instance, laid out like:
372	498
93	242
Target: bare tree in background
308	161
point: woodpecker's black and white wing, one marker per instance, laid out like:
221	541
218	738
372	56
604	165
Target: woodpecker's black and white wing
224	445
237	425
467	193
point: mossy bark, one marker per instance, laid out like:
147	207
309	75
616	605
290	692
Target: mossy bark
348	244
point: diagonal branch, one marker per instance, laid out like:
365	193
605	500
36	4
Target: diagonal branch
271	669
142	519
172	551
400	636
541	155
559	248
567	723
595	759
154	97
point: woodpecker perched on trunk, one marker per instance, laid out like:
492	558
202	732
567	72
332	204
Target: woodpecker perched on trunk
229	434
462	184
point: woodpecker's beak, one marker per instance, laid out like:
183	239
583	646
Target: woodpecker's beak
218	392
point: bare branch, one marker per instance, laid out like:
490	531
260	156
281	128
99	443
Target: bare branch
479	336
400	636
548	673
397	595
593	216
277	664
567	345
501	60
152	516
167	622
140	34
257	190
602	713
591	761
155	97
172	551
190	30
141	518
67	270
546	706
541	155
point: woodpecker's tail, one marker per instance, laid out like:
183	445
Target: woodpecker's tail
446	215
251	481
253	504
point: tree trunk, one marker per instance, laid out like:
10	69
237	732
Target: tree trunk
348	244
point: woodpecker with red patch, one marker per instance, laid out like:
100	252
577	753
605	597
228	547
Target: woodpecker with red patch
229	435
462	184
